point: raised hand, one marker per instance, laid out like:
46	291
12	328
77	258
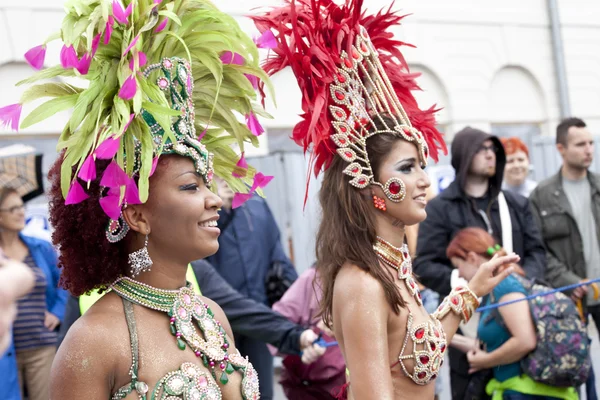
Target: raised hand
488	277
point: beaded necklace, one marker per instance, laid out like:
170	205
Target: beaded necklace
184	306
399	259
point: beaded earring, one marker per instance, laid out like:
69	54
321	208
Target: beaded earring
379	203
140	261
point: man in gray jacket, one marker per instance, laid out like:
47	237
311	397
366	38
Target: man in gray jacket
567	208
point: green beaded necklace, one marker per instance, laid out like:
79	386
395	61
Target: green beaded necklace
183	306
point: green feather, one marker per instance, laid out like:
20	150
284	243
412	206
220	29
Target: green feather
48	109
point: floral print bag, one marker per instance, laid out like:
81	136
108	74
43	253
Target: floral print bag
562	355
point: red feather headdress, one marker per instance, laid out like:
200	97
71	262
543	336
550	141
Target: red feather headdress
351	73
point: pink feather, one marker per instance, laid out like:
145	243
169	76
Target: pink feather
114	176
10	116
35	56
76	194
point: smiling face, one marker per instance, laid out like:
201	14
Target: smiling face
517	168
403	162
12	213
181	212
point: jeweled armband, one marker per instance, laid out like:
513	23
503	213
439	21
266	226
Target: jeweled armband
461	301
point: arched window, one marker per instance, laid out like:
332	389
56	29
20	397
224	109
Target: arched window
517	107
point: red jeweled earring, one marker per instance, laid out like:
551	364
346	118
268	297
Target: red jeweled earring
395	190
379	203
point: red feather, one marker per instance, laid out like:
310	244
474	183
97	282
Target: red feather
311	34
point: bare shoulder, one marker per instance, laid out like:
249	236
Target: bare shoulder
93	350
353	284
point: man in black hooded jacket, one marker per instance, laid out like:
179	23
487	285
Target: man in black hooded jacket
472	201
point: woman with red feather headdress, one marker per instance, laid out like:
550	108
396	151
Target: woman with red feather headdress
362	126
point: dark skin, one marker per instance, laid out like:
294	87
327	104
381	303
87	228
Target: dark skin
94	360
370	334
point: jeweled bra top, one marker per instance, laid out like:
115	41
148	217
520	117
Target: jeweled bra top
189	382
428	338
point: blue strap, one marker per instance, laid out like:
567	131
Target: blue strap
532	296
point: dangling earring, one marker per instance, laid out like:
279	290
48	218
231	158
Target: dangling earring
379	203
140	261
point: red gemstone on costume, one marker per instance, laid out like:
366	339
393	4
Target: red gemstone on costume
424	360
342	141
436	333
454	300
443	348
348	63
421	375
433	376
412	284
394	188
348	154
356	170
420	333
340	95
355	54
363	47
341	78
343	129
407	132
432	345
404	270
362	181
339	114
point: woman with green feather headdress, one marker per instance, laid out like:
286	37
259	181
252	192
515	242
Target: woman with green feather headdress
168	84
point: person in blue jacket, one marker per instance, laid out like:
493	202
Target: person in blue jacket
27	362
249	247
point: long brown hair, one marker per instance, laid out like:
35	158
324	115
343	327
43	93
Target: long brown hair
478	241
347	230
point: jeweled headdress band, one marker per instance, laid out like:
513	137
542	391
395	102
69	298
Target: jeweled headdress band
366	99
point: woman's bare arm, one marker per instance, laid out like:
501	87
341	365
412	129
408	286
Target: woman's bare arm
361	318
84	367
519	323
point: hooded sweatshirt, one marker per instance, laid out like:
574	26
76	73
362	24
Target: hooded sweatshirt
465	145
453	210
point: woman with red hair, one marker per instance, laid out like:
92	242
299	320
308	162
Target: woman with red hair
508	342
517	167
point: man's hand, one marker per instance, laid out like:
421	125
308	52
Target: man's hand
310	352
579	293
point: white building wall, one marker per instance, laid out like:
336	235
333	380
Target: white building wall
463	44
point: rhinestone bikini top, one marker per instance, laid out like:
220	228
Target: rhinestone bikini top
428	338
189	382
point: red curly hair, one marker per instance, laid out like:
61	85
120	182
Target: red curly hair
88	260
514	144
478	241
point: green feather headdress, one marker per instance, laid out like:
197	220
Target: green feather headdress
133	104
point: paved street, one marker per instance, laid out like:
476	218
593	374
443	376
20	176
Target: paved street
446	394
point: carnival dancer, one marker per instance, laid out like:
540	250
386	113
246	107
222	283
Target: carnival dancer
136	172
363	127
